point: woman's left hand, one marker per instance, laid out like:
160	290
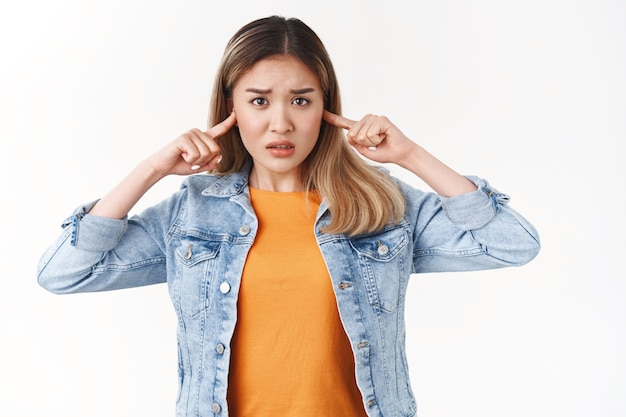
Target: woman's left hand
374	137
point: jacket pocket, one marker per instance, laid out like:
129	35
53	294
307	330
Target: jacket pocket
382	261
196	259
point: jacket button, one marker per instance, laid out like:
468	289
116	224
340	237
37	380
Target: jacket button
363	344
224	287
220	348
244	230
383	250
216	407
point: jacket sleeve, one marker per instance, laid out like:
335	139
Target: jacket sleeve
99	254
472	231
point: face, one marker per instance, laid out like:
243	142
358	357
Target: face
279	105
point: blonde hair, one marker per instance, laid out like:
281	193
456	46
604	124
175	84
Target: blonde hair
361	198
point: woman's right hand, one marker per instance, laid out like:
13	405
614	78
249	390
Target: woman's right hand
192	152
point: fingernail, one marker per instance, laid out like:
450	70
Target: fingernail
372	148
195	167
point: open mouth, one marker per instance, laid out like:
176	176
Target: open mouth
281	148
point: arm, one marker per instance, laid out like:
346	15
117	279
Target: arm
95	253
471	231
100	249
466	225
192	152
376	138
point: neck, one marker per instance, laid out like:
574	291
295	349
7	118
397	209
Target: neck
285	183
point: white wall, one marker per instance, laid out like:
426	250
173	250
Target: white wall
531	95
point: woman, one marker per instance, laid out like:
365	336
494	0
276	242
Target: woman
288	264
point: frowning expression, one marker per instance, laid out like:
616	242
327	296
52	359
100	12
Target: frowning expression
279	105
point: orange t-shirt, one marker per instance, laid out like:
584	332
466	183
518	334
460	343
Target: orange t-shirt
290	354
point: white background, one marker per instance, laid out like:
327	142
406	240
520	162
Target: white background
529	94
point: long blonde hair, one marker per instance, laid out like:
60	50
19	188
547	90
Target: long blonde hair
361	198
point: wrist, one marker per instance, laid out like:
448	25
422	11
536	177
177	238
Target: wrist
412	158
147	174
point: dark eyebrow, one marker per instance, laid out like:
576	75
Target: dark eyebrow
299	91
303	90
257	91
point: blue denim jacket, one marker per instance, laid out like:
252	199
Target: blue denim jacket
198	239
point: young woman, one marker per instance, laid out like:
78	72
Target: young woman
288	262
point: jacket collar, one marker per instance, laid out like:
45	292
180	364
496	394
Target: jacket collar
229	185
236	183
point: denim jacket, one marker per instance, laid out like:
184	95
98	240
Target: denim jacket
197	241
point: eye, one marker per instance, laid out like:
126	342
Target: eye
300	101
258	101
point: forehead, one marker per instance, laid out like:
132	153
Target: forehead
280	71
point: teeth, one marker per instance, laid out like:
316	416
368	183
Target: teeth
282	147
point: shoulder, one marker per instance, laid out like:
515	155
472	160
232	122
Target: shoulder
199	182
408	190
188	194
215	185
418	202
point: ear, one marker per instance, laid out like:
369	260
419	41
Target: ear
230	107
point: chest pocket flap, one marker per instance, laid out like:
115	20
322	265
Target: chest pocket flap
383	264
381	247
197	260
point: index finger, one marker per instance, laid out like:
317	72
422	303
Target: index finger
339	121
222	127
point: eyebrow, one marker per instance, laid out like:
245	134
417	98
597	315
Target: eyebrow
292	91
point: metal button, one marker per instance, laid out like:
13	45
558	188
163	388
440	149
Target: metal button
220	348
383	250
188	252
224	287
244	230
216	407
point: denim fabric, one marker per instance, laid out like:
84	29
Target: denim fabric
198	240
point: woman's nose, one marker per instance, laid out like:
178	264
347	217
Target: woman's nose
281	120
